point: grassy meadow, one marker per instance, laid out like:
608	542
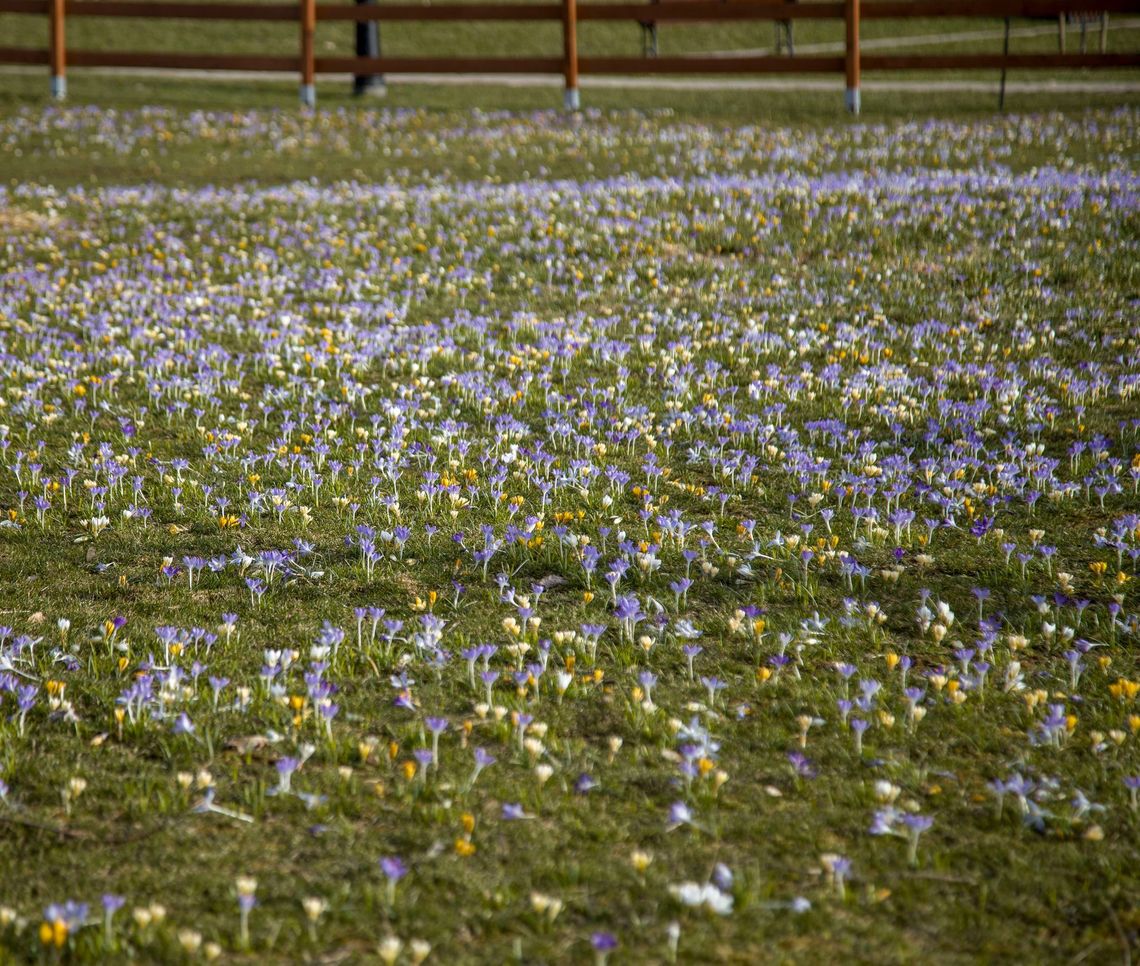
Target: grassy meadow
701	529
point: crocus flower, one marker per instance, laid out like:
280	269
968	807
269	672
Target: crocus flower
394	870
247	898
604	943
111	904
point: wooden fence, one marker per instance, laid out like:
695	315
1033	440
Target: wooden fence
569	13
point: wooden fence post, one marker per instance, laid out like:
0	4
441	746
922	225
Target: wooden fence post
57	52
570	98
851	16
308	72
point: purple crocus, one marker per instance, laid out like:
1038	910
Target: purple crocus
394	870
604	943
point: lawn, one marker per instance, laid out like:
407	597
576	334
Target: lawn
461	535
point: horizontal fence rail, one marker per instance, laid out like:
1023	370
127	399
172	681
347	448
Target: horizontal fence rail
568	13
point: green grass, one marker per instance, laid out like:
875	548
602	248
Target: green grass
473	262
354	156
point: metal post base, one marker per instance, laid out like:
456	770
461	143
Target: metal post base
369	86
58	88
308	95
570	99
851	99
